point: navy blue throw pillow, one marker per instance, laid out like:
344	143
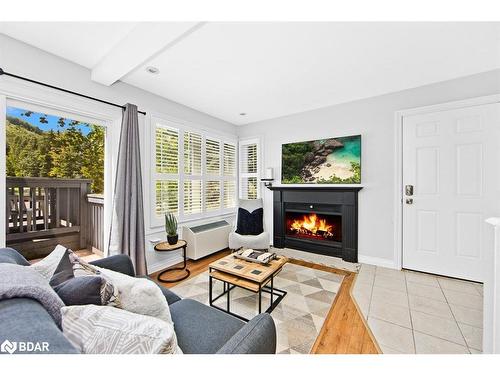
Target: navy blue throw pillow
63	272
84	290
250	223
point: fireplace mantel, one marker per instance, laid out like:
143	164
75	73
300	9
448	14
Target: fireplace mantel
342	200
316	188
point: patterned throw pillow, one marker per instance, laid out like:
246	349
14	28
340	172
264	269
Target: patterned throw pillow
48	265
82	288
107	330
110	295
137	295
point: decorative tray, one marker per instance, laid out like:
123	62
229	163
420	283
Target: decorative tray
256	256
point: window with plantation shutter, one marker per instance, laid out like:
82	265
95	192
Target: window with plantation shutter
194	174
212	195
212	155
249	169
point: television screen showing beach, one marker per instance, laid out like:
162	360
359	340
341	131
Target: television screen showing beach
325	161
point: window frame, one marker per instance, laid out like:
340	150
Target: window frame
181	176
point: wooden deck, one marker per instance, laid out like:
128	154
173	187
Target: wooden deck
86	255
43	212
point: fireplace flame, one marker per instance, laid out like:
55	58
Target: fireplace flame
311	224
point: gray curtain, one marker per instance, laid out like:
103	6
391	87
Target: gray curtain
127	224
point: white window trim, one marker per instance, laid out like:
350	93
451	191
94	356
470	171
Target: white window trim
181	126
246	142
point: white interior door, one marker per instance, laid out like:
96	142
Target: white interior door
451	160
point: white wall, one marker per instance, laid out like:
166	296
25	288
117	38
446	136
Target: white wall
373	118
22	59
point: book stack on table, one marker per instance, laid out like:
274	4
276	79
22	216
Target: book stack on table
256	256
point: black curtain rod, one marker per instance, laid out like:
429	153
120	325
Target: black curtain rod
3	72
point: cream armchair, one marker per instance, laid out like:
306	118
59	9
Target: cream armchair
258	242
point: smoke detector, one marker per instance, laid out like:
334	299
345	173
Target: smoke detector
152	70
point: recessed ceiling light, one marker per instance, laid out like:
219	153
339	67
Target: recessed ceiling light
152	70
243	114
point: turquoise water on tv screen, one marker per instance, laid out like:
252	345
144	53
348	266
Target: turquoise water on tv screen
351	152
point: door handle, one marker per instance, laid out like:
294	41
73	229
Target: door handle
408	190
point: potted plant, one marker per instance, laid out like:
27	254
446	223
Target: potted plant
171	228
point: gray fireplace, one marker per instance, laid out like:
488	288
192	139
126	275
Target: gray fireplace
319	219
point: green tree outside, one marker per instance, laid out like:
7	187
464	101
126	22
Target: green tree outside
68	153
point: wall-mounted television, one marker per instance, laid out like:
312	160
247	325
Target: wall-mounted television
323	161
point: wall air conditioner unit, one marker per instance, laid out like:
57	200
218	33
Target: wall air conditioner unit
206	239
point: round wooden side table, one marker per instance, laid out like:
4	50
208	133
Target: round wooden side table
165	246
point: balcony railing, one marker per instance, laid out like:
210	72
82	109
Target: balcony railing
95	239
42	212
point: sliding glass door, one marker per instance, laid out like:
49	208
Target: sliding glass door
54	164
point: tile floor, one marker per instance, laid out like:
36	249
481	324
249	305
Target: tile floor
413	312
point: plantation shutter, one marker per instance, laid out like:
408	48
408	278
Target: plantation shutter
167	150
229	159
192	153
212	195
192	187
212	152
167	170
229	184
229	194
249	170
249	188
195	174
248	159
167	197
193	203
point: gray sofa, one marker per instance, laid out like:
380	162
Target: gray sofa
200	329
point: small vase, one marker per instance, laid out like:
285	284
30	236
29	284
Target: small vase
172	240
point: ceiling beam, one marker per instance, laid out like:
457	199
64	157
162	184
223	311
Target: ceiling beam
144	42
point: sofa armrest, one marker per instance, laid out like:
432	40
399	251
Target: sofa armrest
8	255
26	320
119	263
258	336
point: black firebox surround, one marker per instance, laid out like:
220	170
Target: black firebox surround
339	200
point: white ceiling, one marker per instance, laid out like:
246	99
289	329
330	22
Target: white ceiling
268	70
82	43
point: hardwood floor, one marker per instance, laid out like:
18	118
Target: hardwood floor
195	266
344	330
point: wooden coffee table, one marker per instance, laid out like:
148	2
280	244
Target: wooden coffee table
255	277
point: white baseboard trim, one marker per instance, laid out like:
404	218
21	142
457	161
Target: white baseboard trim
380	262
158	266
